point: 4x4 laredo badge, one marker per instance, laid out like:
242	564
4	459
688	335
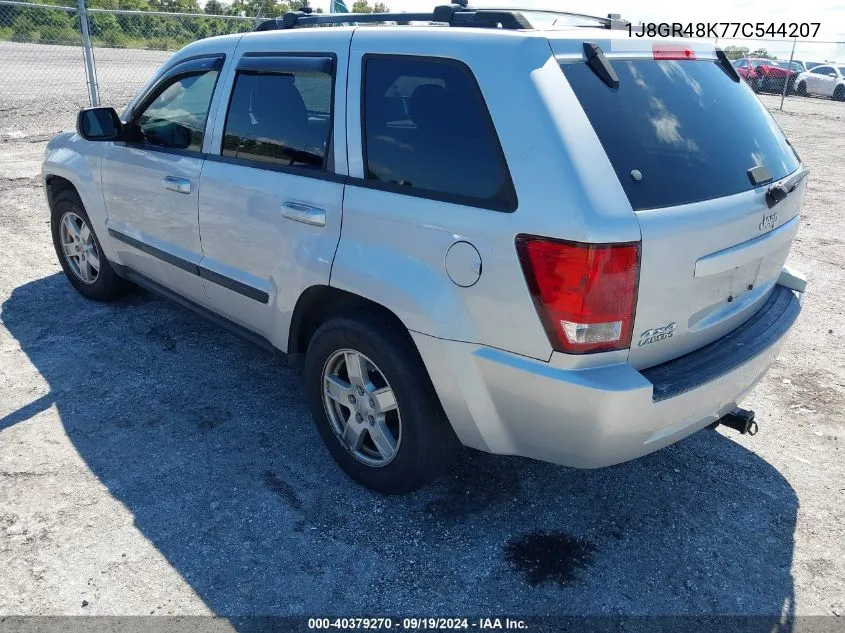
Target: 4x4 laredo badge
657	334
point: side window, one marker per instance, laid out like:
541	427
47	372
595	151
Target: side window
176	116
280	118
427	132
821	70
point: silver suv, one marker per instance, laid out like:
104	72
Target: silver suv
564	243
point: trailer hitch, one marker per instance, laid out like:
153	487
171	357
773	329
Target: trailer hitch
741	420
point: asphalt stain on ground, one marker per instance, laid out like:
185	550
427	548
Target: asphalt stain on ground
283	489
475	485
549	557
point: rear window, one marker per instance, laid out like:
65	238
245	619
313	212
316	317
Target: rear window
678	132
277	118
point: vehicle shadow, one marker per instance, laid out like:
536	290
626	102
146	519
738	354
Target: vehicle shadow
208	442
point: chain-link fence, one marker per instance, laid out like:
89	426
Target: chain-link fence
130	45
44	79
43	59
801	77
41	69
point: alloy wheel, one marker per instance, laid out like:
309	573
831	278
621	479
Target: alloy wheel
79	248
362	408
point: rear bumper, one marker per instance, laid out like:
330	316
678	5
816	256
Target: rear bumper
589	418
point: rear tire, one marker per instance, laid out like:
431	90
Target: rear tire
351	363
79	251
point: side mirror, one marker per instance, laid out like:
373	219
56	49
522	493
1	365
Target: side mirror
831	74
99	124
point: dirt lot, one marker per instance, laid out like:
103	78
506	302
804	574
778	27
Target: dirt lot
151	463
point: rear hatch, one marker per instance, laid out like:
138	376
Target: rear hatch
684	139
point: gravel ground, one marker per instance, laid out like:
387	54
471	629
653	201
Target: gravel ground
150	463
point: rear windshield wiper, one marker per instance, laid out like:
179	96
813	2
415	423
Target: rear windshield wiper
600	65
778	193
726	65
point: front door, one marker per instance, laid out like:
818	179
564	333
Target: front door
151	181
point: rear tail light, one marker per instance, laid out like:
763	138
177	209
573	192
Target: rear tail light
585	294
672	51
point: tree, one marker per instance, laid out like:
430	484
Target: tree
380	7
361	6
736	52
266	8
763	53
175	6
215	7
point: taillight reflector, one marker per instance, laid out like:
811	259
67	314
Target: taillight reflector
585	294
672	51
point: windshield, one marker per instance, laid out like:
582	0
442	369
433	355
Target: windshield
841	70
680	131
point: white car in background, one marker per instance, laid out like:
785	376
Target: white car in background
827	80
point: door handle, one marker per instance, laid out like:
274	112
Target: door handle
299	212
179	185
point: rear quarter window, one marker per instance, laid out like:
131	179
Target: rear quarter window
690	131
428	133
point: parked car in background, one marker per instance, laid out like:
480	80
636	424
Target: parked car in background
746	69
807	65
768	75
826	80
774	82
760	74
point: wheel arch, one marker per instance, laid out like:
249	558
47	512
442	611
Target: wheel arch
71	164
319	303
55	185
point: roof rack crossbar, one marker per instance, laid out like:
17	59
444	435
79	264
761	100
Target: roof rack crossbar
451	14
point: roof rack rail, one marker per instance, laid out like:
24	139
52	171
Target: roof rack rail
456	14
612	21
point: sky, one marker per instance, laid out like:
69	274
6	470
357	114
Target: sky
830	13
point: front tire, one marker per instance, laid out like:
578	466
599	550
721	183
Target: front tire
839	93
802	89
79	250
374	405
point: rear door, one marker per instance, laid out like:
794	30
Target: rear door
271	191
819	83
828	81
682	137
